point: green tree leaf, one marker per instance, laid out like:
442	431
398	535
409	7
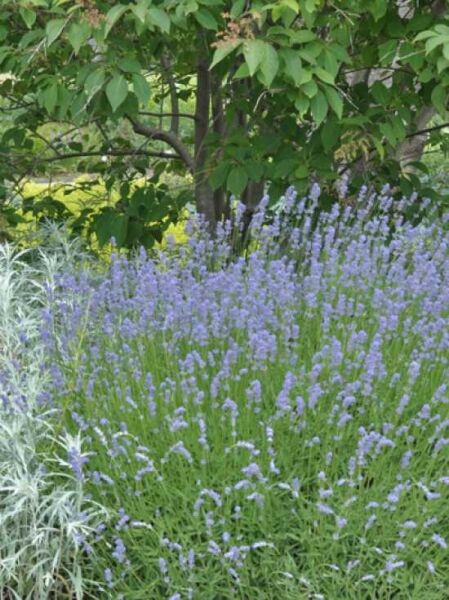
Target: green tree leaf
222	51
116	91
237	8
140	10
330	134
28	16
284	167
49	97
206	19
141	88
129	65
434	42
324	76
112	16
254	53
237	181
380	93
439	98
78	35
53	30
269	65
292	4
94	82
319	107
160	18
302	36
292	64
310	89
218	176
378	8
302	105
110	224
388	132
335	100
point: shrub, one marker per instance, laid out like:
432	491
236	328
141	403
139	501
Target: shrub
272	425
79	206
46	519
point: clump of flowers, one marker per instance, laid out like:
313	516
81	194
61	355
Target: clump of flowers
274	423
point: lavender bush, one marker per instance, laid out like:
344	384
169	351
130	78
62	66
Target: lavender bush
269	426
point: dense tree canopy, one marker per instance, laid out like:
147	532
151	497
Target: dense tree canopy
242	95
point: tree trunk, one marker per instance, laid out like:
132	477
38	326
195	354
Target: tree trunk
251	198
203	192
221	199
411	149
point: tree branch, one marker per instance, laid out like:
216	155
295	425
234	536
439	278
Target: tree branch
166	114
428	130
113	152
166	66
153	133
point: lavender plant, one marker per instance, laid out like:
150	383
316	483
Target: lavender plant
269	426
46	519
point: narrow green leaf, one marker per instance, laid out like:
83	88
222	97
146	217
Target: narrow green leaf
54	29
254	53
237	180
112	16
116	91
141	88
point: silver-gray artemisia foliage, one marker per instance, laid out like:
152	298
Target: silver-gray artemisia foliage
45	519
